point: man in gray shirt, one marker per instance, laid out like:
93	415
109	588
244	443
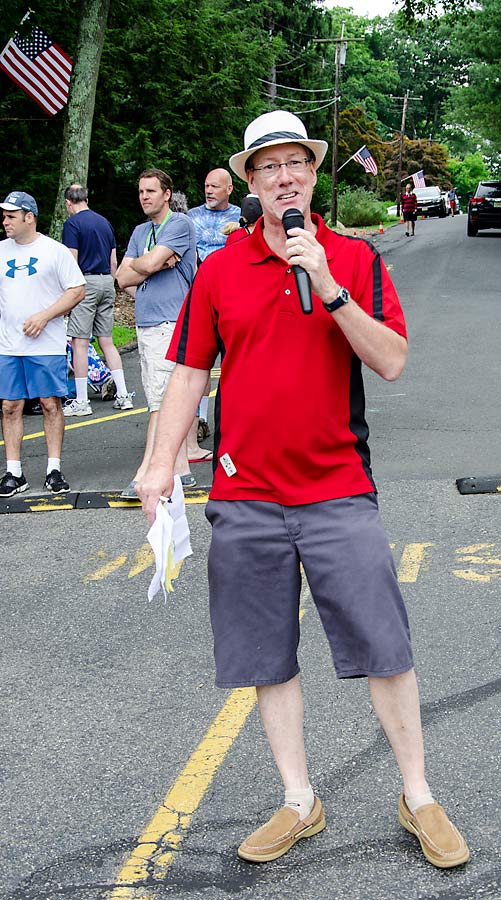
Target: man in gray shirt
160	264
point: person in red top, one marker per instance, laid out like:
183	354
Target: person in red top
409	206
281	497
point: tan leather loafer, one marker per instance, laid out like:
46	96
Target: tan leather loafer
281	833
441	842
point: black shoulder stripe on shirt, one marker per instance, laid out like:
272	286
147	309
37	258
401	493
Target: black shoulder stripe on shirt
217	409
183	339
377	289
358	423
377	279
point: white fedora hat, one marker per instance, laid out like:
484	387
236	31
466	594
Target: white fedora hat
277	127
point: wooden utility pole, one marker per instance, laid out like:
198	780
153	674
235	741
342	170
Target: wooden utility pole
74	164
341	47
335	128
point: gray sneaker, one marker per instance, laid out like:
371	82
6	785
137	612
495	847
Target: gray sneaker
129	493
77	408
124	402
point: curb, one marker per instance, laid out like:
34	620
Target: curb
85	500
127	348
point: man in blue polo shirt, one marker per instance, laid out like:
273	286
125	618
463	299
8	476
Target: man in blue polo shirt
91	240
160	264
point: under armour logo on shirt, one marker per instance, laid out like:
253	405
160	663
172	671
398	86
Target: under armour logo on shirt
12	268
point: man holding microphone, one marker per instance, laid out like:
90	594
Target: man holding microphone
280	500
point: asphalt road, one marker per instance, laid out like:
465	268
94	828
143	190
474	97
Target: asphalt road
127	776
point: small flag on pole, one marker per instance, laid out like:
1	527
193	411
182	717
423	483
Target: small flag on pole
39	67
366	159
418	179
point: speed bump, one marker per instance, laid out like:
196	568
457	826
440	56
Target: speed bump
481	484
84	500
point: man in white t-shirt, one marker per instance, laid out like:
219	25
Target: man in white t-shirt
40	281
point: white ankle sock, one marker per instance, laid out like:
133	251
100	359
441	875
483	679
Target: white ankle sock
119	379
14	467
418	800
301	800
53	463
81	386
204	408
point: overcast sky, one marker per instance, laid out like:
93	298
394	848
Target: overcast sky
368	8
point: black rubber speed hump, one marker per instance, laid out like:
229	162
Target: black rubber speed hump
479	484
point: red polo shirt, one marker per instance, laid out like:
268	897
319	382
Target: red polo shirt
289	411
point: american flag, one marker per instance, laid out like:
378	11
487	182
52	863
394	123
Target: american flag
366	159
39	67
418	179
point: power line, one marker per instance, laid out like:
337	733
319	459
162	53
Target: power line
302	90
296	100
297	105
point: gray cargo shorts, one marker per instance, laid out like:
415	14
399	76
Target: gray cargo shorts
255	581
94	314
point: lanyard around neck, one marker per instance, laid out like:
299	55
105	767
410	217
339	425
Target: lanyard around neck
153	235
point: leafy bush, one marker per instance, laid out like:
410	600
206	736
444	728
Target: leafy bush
321	201
356	206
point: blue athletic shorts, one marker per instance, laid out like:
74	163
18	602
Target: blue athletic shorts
255	583
33	376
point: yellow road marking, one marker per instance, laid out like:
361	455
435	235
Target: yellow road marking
120	415
474	548
490	560
106	570
215	373
468	575
412	559
162	837
143	560
201	497
485	555
41	504
156	849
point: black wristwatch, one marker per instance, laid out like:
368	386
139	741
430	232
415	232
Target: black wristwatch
342	298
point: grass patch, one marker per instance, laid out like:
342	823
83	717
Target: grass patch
122	335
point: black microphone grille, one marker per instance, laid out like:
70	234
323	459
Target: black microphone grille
292	218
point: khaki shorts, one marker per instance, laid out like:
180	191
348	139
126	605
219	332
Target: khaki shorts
152	343
94	314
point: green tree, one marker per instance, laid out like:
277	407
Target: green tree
467	172
432	158
477	103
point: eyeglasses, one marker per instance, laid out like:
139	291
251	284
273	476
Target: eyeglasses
294	165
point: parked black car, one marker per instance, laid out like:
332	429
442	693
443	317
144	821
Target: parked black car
484	208
430	202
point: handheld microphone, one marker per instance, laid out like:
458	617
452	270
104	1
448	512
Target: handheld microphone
293	218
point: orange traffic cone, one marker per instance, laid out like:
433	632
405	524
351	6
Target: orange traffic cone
354	232
381	229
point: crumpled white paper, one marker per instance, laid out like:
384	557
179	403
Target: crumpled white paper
169	537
